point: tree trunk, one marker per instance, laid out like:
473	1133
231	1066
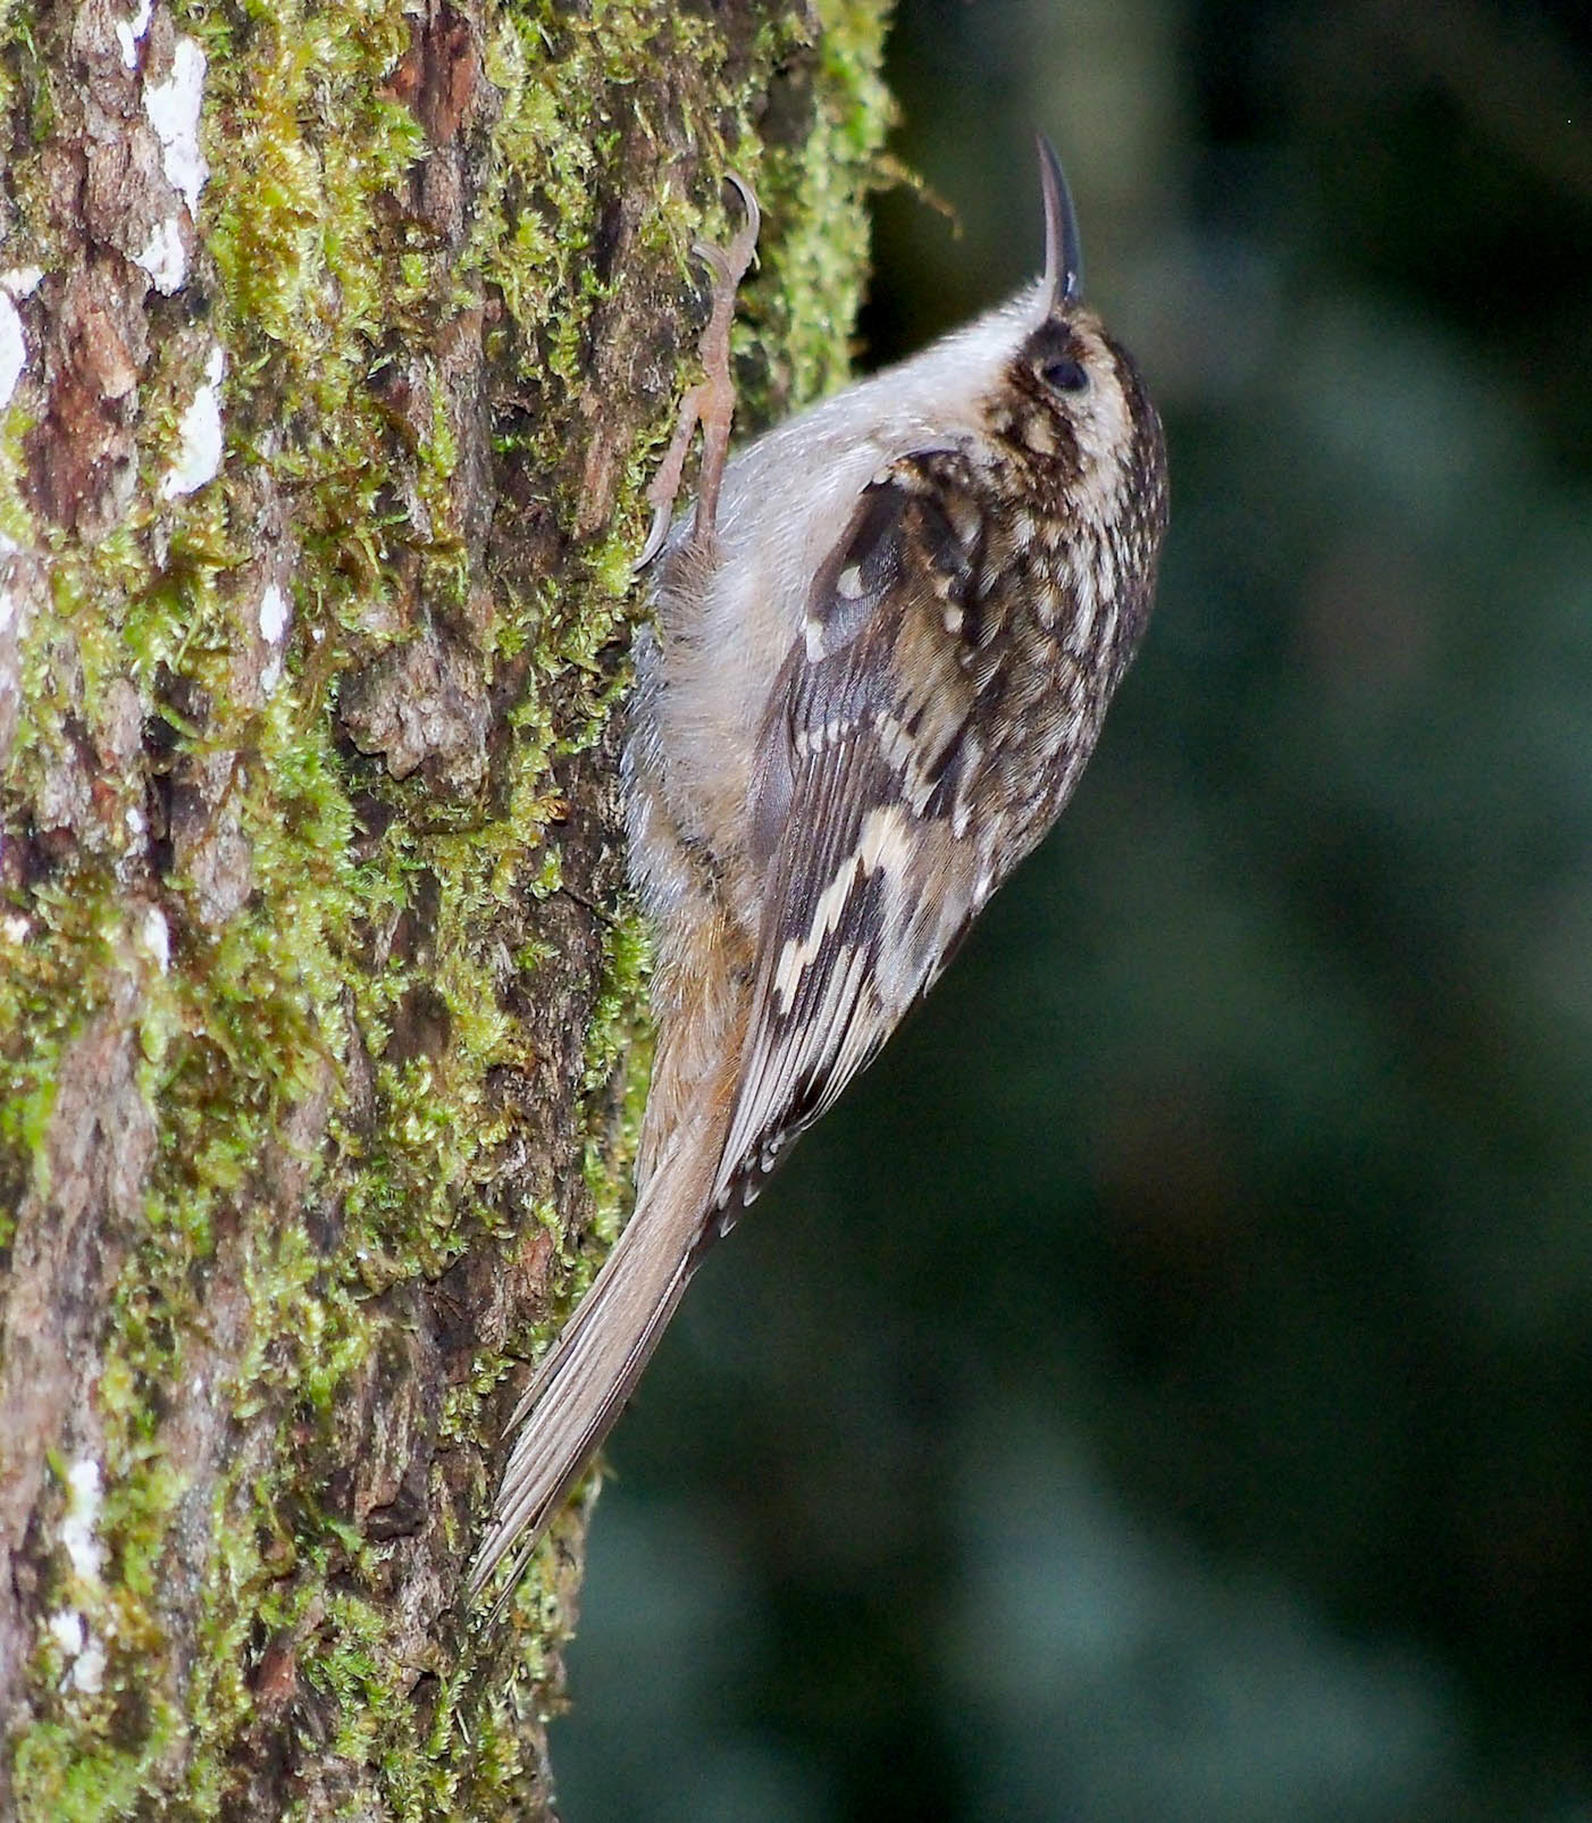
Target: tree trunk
335	347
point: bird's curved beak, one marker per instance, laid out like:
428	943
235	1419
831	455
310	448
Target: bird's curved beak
1063	245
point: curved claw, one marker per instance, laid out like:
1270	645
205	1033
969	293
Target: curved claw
728	263
754	215
658	537
714	258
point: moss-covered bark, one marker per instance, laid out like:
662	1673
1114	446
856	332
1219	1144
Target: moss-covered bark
335	343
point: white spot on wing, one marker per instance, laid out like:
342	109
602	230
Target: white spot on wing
1083	620
800	953
840	991
884	843
885	840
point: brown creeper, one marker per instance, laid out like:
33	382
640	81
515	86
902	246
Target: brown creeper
878	669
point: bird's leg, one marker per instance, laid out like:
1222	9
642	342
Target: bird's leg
711	402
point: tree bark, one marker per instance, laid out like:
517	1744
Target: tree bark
335	344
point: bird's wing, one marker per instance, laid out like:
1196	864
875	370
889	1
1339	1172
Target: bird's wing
866	757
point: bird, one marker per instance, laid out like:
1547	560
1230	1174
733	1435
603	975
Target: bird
880	652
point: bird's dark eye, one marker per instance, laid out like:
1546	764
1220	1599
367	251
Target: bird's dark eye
1064	375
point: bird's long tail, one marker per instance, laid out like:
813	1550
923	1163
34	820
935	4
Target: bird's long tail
581	1388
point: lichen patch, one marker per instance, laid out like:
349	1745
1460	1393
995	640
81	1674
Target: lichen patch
199	435
13	350
130	33
174	107
85	1498
273	613
164	257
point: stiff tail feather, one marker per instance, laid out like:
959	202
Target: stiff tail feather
580	1389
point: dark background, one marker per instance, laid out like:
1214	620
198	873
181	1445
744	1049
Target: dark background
1163	1390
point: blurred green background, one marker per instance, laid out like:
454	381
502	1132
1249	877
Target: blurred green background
1163	1390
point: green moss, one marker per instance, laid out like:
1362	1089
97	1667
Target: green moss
64	1776
615	1044
260	1014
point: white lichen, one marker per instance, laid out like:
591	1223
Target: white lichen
85	1654
156	934
70	1631
199	435
130	32
164	257
21	281
80	1527
273	627
88	1673
173	107
273	613
13	350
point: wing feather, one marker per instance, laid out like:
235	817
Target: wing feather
863	760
